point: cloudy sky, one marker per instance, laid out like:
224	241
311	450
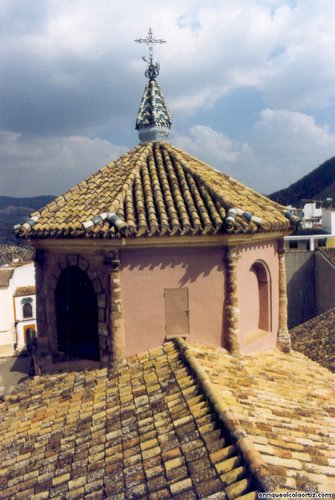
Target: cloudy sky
250	85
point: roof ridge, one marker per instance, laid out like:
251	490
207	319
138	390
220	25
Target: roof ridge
230	421
325	252
61	200
120	196
180	153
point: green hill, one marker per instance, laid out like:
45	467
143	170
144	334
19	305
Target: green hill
317	185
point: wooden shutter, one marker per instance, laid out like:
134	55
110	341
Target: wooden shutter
176	312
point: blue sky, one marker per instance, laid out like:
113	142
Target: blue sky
250	85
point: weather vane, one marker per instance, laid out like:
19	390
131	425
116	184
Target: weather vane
153	69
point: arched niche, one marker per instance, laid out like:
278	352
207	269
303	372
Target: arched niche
263	279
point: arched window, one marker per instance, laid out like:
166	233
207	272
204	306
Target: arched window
27	310
261	271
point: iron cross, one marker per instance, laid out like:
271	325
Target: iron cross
150	40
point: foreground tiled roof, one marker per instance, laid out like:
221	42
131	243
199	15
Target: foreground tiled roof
5	276
286	405
181	421
25	290
316	339
155	190
329	254
142	431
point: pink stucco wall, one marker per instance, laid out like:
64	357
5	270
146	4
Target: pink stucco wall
144	276
249	295
146	273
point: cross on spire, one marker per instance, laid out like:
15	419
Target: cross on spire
153	69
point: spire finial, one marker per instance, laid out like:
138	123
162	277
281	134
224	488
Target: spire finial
152	70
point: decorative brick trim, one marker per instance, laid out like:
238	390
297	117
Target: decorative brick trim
41	354
117	336
283	335
232	312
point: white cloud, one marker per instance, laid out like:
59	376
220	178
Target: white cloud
287	145
303	74
206	142
284	49
34	166
73	71
283	147
220	151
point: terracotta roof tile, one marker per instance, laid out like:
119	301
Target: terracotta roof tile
155	189
142	430
9	253
283	403
25	290
329	254
183	419
316	339
5	276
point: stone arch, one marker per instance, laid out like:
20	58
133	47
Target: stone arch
76	315
83	265
263	276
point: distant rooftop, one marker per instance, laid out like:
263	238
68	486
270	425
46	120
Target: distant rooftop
22	291
10	254
316	338
5	276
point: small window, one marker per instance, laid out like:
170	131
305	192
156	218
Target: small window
27	310
293	244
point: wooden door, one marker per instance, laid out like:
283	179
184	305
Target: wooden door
176	312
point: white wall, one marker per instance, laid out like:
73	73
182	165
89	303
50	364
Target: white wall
21	322
328	221
7	337
23	276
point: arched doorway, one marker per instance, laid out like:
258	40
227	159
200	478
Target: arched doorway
77	315
262	274
29	336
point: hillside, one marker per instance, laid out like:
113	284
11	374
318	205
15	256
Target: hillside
16	210
317	185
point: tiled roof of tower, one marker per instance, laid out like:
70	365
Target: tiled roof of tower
155	189
316	339
286	405
153	110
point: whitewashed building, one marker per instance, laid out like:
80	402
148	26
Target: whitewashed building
17	307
